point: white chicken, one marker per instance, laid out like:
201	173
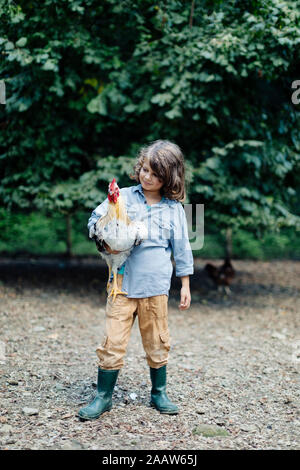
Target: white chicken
116	235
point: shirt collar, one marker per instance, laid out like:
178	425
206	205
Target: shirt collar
140	189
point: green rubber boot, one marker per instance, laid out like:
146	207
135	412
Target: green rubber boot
103	399
159	399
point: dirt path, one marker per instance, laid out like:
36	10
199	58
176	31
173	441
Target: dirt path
233	368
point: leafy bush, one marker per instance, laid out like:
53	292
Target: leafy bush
89	82
39	234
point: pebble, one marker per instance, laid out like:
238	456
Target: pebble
248	428
10	441
59	387
72	445
6	428
37	329
133	396
30	411
268	370
208	430
13	382
277	335
47	413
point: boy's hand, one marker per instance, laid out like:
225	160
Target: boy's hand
185	298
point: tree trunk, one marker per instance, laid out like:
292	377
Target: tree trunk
69	235
192	13
228	245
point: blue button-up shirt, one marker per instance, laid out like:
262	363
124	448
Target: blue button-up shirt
148	269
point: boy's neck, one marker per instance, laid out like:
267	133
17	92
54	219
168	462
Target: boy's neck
153	195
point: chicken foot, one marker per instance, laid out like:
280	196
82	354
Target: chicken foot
115	289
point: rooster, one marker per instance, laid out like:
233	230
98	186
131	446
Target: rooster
116	235
221	275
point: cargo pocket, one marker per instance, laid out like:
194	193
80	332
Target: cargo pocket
105	341
157	350
165	339
103	344
108	357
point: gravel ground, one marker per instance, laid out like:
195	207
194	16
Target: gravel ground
233	368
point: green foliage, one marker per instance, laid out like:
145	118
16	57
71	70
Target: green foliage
270	246
31	233
40	233
242	180
88	82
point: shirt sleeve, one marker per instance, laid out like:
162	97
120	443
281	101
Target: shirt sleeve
96	214
181	247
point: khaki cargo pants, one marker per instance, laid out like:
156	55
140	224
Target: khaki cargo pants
152	315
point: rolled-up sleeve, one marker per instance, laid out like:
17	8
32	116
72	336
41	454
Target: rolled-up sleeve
181	247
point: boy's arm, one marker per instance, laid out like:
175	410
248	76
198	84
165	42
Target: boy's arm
185	293
182	255
181	247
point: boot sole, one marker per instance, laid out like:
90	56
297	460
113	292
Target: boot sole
91	418
165	412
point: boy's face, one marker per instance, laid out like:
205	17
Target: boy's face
149	180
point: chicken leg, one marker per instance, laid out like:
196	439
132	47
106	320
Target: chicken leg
109	274
115	289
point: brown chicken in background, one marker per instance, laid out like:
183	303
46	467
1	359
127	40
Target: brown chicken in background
221	275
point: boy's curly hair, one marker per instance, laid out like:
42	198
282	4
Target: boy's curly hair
167	161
